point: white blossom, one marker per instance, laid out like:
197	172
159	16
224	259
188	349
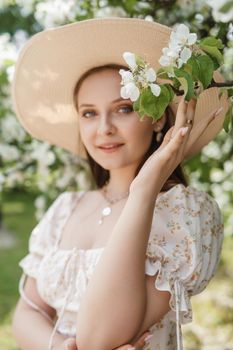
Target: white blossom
7	49
52	13
216	10
130	91
65	177
230	32
110	11
26	6
2	181
127	76
20	38
42	154
227	67
82	180
150	75
185	54
130	59
199	17
149	18
4	4
14	177
11	129
141	77
40	204
9	152
155	89
169	57
178	52
181	36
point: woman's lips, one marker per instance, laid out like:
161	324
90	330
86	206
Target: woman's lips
110	149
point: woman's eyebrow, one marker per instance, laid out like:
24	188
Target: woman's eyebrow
91	105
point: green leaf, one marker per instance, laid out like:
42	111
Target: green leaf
230	92
226	7
186	83
213	51
170	92
214	60
165	97
154	106
212	41
192	68
148	103
136	104
162	74
205	70
139	60
228	121
138	108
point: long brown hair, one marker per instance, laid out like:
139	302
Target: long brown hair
101	175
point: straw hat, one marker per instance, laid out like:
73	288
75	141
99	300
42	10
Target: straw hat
53	60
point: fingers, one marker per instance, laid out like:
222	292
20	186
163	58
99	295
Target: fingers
185	114
180	116
176	142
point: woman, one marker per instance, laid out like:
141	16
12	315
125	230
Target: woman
111	263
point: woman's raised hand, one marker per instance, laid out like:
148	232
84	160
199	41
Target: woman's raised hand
173	150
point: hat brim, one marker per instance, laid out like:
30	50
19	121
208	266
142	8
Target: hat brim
52	61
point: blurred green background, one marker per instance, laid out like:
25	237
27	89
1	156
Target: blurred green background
32	173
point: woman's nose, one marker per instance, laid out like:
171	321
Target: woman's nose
106	125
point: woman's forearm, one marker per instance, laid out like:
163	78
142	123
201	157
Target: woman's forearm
115	301
32	330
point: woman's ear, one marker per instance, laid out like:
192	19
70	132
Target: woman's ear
159	124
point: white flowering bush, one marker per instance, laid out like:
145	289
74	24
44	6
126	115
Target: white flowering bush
222	10
24	162
32	166
188	66
21	162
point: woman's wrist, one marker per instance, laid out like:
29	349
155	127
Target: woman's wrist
144	194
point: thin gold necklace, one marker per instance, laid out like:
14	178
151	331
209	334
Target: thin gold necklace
106	211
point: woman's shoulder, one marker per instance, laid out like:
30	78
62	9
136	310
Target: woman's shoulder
187	201
180	192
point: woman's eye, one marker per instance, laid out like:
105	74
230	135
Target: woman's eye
128	109
86	114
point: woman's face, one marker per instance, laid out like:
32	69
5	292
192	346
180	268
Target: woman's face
104	117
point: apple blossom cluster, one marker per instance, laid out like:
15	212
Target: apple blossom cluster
179	49
141	76
187	66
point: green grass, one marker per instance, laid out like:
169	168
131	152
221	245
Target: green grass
212	327
19	219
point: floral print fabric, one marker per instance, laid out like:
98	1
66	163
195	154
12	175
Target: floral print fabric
183	249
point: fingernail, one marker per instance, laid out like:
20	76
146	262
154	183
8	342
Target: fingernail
132	348
218	111
184	130
148	338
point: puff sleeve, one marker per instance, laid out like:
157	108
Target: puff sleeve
44	235
184	246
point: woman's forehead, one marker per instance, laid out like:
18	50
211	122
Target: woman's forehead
103	85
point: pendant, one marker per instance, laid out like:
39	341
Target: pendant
105	212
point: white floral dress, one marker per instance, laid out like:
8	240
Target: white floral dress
184	248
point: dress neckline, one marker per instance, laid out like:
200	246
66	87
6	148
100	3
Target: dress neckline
78	195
